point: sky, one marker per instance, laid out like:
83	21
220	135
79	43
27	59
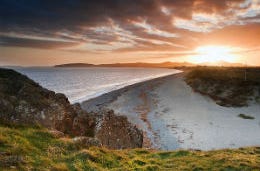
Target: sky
49	32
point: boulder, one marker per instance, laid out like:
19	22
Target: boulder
116	132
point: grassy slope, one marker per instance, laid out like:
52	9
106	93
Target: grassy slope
25	148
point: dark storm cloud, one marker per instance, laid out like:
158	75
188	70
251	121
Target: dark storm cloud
55	15
74	20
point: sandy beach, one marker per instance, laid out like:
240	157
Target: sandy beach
172	116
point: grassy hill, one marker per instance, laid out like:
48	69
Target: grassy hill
34	148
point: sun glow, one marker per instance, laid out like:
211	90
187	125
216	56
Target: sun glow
213	54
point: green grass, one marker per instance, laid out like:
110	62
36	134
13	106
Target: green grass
33	148
245	116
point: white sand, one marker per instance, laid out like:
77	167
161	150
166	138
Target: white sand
179	118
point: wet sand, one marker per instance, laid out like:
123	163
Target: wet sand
172	116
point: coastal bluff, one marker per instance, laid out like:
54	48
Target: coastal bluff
25	102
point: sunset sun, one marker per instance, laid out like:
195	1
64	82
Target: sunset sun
213	54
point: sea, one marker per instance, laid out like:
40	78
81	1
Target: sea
80	84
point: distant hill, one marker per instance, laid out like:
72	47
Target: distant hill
154	65
75	65
149	65
137	64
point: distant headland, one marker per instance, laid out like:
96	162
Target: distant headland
153	65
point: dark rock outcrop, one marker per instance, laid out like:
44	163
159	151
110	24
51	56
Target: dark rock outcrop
117	133
22	101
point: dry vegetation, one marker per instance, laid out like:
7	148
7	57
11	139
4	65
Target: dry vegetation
245	116
227	86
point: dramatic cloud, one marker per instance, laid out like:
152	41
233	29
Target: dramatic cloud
128	25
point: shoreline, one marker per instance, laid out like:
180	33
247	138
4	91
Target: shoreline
98	103
173	116
102	103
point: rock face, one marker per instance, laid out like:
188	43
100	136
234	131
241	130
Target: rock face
117	133
22	101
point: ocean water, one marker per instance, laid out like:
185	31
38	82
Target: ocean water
80	84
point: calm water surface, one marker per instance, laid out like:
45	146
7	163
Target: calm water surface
80	84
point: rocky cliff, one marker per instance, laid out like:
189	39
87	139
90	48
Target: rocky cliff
22	101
